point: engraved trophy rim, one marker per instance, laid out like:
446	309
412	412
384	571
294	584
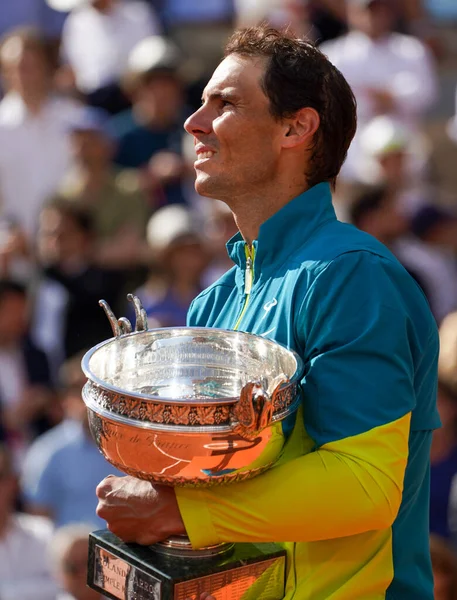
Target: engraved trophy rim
229	400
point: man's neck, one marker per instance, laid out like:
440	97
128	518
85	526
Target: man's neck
250	212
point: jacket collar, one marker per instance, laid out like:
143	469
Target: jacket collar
288	229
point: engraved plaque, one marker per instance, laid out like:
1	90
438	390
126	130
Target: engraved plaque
234	584
123	581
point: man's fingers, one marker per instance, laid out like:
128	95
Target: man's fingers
104	487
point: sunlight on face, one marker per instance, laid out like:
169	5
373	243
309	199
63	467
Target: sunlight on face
237	140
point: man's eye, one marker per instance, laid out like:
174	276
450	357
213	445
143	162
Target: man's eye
226	103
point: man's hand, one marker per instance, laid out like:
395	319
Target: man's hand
138	511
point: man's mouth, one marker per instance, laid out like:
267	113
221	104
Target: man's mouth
207	154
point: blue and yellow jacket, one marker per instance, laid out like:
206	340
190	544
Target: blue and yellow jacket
349	497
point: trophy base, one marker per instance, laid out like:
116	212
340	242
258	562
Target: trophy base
123	571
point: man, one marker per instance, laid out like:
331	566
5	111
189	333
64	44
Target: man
390	73
349	496
25	571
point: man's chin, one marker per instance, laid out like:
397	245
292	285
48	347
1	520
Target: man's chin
205	185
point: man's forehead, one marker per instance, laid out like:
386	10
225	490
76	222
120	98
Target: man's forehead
235	74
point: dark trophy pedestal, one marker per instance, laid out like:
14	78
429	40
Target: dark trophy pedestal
131	572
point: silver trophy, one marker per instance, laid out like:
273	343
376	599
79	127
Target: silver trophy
188	406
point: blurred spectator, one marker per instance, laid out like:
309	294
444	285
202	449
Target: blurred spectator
392	156
444	565
390	73
112	196
437	227
69	551
97	38
67	317
64	466
180	259
25	572
376	211
200	29
25	386
150	134
34	145
444	464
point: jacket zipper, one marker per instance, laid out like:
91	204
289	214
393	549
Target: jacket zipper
248	279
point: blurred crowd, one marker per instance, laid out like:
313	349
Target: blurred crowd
97	200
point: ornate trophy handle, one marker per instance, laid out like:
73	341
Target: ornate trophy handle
253	411
123	326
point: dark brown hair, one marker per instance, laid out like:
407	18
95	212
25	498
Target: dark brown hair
298	75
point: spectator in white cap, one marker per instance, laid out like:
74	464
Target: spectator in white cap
391	155
179	258
150	134
390	73
97	38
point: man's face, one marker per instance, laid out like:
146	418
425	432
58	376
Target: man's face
375	19
60	239
160	98
91	148
237	140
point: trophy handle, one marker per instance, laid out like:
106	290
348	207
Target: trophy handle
123	326
253	411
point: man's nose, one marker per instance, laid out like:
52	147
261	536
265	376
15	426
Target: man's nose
199	122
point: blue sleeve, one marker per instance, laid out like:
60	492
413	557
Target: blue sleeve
370	348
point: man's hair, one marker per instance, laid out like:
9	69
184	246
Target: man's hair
298	75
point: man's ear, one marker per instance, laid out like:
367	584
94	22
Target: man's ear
300	128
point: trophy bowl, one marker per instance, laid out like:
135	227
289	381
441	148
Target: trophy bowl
190	406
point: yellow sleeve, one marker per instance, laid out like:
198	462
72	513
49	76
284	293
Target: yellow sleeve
346	487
